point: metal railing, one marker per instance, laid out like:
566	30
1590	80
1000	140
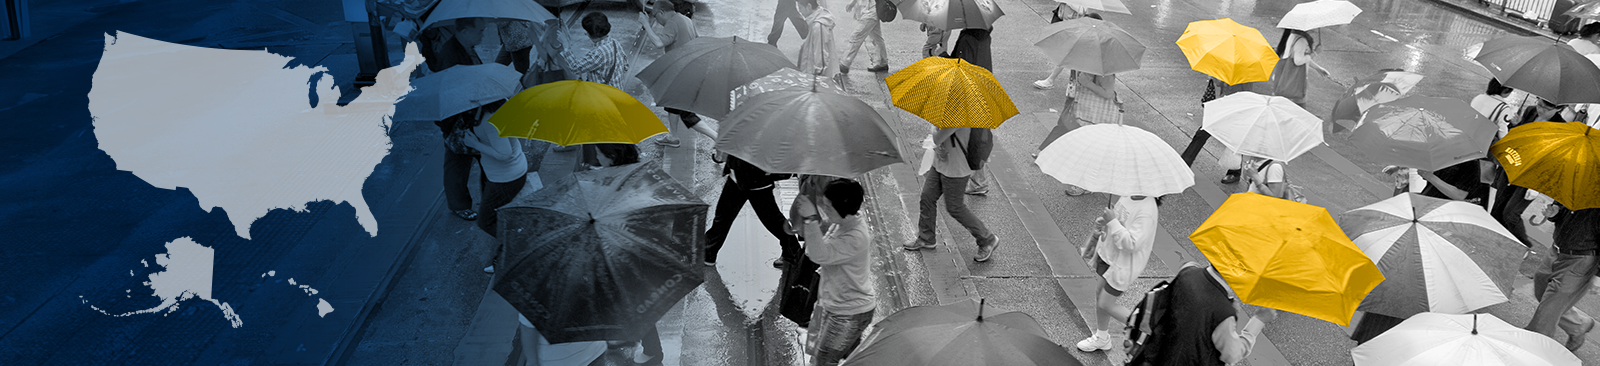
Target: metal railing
1537	11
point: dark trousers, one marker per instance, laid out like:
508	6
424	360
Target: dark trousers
494	196
787	11
1509	203
766	207
652	343
1195	145
457	170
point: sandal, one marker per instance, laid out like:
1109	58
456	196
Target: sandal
468	215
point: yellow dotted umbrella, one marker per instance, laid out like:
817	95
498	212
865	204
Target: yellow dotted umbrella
951	93
1561	160
1287	255
577	112
1227	50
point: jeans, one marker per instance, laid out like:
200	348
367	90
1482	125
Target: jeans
787	11
873	30
766	207
954	191
978	180
935	43
457	170
840	334
1569	279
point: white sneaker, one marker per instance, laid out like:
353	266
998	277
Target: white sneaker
489	269
1043	84
1100	341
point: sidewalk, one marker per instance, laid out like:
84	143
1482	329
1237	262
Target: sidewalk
1493	15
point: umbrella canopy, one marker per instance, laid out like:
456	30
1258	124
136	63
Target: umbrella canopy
1561	160
951	14
1116	159
1318	14
572	112
962	333
1436	255
602	254
1461	340
1286	255
1228	51
807	131
1110	6
457	89
1378	88
1423	132
1588	10
951	93
698	76
784	78
1548	69
496	9
1091	45
1262	125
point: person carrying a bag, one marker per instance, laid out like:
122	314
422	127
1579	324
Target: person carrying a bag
1231	161
948	178
1121	248
1270	177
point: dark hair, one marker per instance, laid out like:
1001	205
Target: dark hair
1589	30
845	194
683	7
596	24
1283	44
1096	16
812	3
1495	88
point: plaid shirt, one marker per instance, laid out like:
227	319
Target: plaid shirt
604	64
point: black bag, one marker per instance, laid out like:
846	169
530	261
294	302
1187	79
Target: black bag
977	150
798	294
1147	319
886	10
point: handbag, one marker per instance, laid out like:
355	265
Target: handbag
981	144
798	296
1089	250
1068	114
886	10
1291	191
454	140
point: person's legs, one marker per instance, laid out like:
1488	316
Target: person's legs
840	336
494	196
1048	81
668	139
1231	161
955	202
786	11
766	208
978	183
728	206
1195	145
457	170
856	38
883	48
935	43
1574	322
928	210
1511	217
651	346
1569	281
1105	310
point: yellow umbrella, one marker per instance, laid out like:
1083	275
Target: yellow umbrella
1227	50
951	93
577	112
1288	256
1561	160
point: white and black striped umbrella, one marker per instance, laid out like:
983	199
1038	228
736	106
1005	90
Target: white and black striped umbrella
1436	255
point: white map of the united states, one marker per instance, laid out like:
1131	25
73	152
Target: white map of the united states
237	129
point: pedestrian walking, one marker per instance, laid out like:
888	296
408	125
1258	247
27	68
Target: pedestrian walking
1062	13
1586	43
1267	176
1092	100
1510	201
606	63
747	183
844	252
504	167
948	179
1205	316
787	12
458	160
1566	280
811	191
973	46
677	19
1231	160
1125	234
816	53
934	46
1289	76
868	28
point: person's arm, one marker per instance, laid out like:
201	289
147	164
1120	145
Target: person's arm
1270	180
831	250
650	31
1448	189
1103	85
1234	342
499	148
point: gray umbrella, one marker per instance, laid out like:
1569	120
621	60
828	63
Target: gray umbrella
809	131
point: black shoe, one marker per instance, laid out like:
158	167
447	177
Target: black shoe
879	68
1231	177
468	215
843	69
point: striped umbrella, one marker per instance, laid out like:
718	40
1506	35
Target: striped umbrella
1436	255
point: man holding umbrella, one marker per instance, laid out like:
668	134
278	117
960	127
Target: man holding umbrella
845	255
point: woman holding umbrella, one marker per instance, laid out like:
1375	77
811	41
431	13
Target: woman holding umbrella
1127	235
1289	78
605	64
504	166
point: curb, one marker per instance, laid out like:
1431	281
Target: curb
343	350
1496	19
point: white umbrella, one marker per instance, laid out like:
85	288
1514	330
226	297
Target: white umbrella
497	9
1116	159
1318	14
1110	6
1461	340
1261	125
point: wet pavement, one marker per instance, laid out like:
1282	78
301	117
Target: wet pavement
437	310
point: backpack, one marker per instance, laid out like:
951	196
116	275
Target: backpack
1291	191
1147	319
977	150
886	10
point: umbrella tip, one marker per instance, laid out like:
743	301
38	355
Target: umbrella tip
1474	324
980	309
591	217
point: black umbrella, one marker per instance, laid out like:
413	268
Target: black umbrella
601	255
